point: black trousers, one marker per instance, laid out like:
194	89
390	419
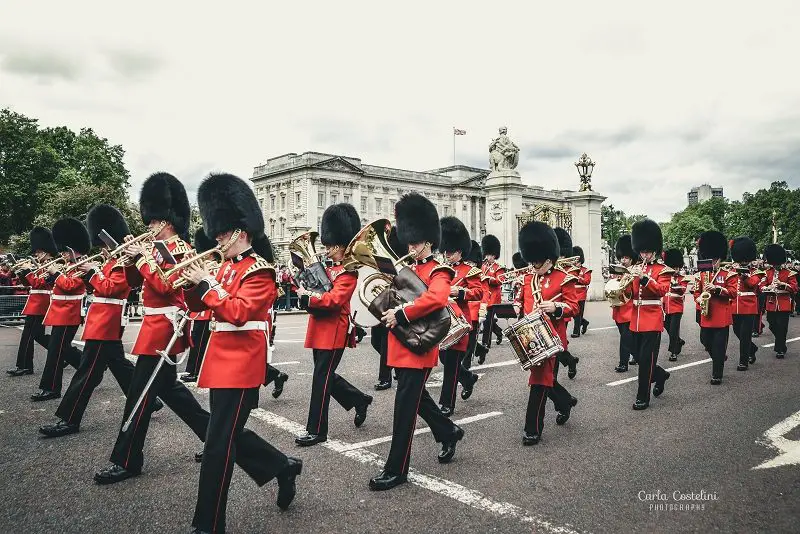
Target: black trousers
779	326
743	326
534	415
672	324
717	339
33	330
326	384
97	356
200	335
762	308
128	448
703	335
379	340
625	344
226	442
579	320
412	398
646	349
60	352
490	327
558	393
454	372
472	343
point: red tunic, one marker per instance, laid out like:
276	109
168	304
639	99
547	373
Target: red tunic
558	286
719	307
39	296
747	293
475	305
329	313
236	354
582	284
781	299
491	271
111	289
673	301
647	314
66	301
468	279
159	300
438	278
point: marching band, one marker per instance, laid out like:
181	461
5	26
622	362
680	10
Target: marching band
428	291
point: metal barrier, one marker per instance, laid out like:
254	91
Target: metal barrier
11	304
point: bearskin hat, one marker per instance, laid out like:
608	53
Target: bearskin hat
490	245
743	250
475	254
108	218
340	224
71	233
538	242
712	245
202	242
42	239
394	243
564	242
775	254
578	251
263	247
455	237
623	247
417	220
673	257
518	262
646	237
227	203
163	198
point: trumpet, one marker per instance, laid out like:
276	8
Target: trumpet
43	268
29	263
568	263
207	260
143	238
96	257
515	274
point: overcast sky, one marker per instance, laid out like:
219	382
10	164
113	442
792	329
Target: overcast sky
663	98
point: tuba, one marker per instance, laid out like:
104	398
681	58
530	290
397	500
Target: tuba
310	271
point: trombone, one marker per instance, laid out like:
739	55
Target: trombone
207	260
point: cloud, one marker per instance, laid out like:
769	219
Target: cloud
133	65
41	65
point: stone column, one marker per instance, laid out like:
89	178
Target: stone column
504	190
586	234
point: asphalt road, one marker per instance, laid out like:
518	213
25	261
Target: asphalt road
609	469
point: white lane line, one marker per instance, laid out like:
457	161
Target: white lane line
285	363
424	430
432	483
774	438
497	364
635	378
303	340
603	328
435	380
788	341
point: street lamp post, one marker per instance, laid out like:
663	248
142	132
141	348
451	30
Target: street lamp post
585	166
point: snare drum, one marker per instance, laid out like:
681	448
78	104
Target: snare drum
459	327
534	339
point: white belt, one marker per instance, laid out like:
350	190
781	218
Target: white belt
746	294
580	286
230	327
160	311
68	297
104	300
39	292
673	295
647	302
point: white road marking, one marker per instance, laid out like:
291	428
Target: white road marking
635	378
603	328
424	430
432	483
285	363
788	341
789	449
435	380
302	340
497	364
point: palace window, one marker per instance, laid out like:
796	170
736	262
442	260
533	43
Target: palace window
378	205
283	201
363	205
347	198
272	228
272	202
283	228
321	200
446	210
334	198
297	198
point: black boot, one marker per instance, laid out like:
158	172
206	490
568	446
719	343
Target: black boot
280	380
286	482
361	412
61	428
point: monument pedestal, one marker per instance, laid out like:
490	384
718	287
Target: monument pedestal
504	190
586	233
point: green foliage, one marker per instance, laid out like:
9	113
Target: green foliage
614	223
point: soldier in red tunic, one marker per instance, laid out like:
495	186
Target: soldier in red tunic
779	285
492	270
673	302
552	290
622	314
466	287
200	320
239	295
103	328
64	313
165	210
418	228
745	307
647	316
566	249
330	329
474	348
584	275
44	249
721	284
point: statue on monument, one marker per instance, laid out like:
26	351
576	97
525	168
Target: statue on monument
503	153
